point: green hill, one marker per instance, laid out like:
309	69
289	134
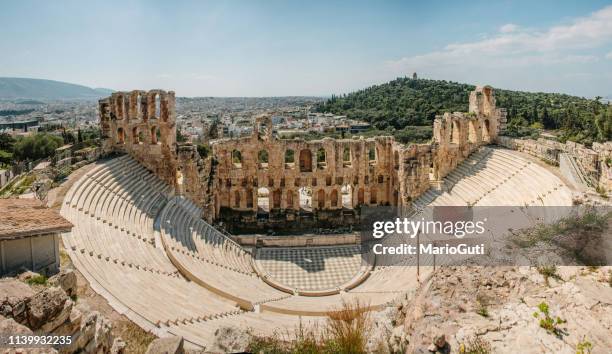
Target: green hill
13	88
402	104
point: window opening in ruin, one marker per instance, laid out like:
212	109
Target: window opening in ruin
321	199
328	181
381	179
455	132
321	159
289	199
120	136
360	196
305	161
262	158
141	137
276	198
395	198
119	107
237	159
346	157
263	200
289	159
135	135
157	99
347	196
249	198
139	108
333	198
372	155
237	199
154	131
305	194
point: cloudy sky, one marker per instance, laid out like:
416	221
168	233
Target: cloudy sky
278	48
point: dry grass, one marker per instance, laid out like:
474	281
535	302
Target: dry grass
345	332
136	339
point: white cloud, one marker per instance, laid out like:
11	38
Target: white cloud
518	47
509	27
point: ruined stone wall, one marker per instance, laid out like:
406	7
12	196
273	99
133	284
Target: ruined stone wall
372	171
594	163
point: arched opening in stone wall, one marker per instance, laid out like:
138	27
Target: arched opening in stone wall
395	197
347	196
135	135
455	132
120	136
372	155
237	199
141	137
305	160
305	198
321	159
157	99
346	156
154	135
263	200
139	107
289	159
119	107
249	198
126	107
289	200
486	135
333	198
472	136
396	163
276	198
237	159
360	196
373	195
262	158
321	199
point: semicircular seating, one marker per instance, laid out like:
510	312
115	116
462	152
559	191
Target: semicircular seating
155	260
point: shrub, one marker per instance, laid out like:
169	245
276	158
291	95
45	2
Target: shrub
550	324
37	280
549	271
584	346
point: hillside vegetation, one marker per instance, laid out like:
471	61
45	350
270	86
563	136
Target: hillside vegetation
399	105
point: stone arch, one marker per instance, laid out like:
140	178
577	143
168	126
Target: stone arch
289	199
333	197
347	196
155	133
276	198
455	131
360	196
305	194
321	199
472	135
237	198
346	156
373	195
135	136
263	158
236	157
249	198
263	200
321	158
120	136
139	107
119	106
305	160
289	158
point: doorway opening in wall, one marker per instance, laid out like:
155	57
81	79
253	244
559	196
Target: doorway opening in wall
486	132
263	200
305	198
347	196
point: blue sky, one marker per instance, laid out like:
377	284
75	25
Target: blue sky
277	48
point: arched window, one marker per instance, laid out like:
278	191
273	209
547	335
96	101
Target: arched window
276	199
396	160
360	196
372	155
289	199
305	161
262	158
237	159
249	198
346	156
373	195
472	136
120	136
135	136
321	158
333	196
321	199
289	159
486	133
455	132
237	199
154	135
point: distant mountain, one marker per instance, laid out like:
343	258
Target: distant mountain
13	88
